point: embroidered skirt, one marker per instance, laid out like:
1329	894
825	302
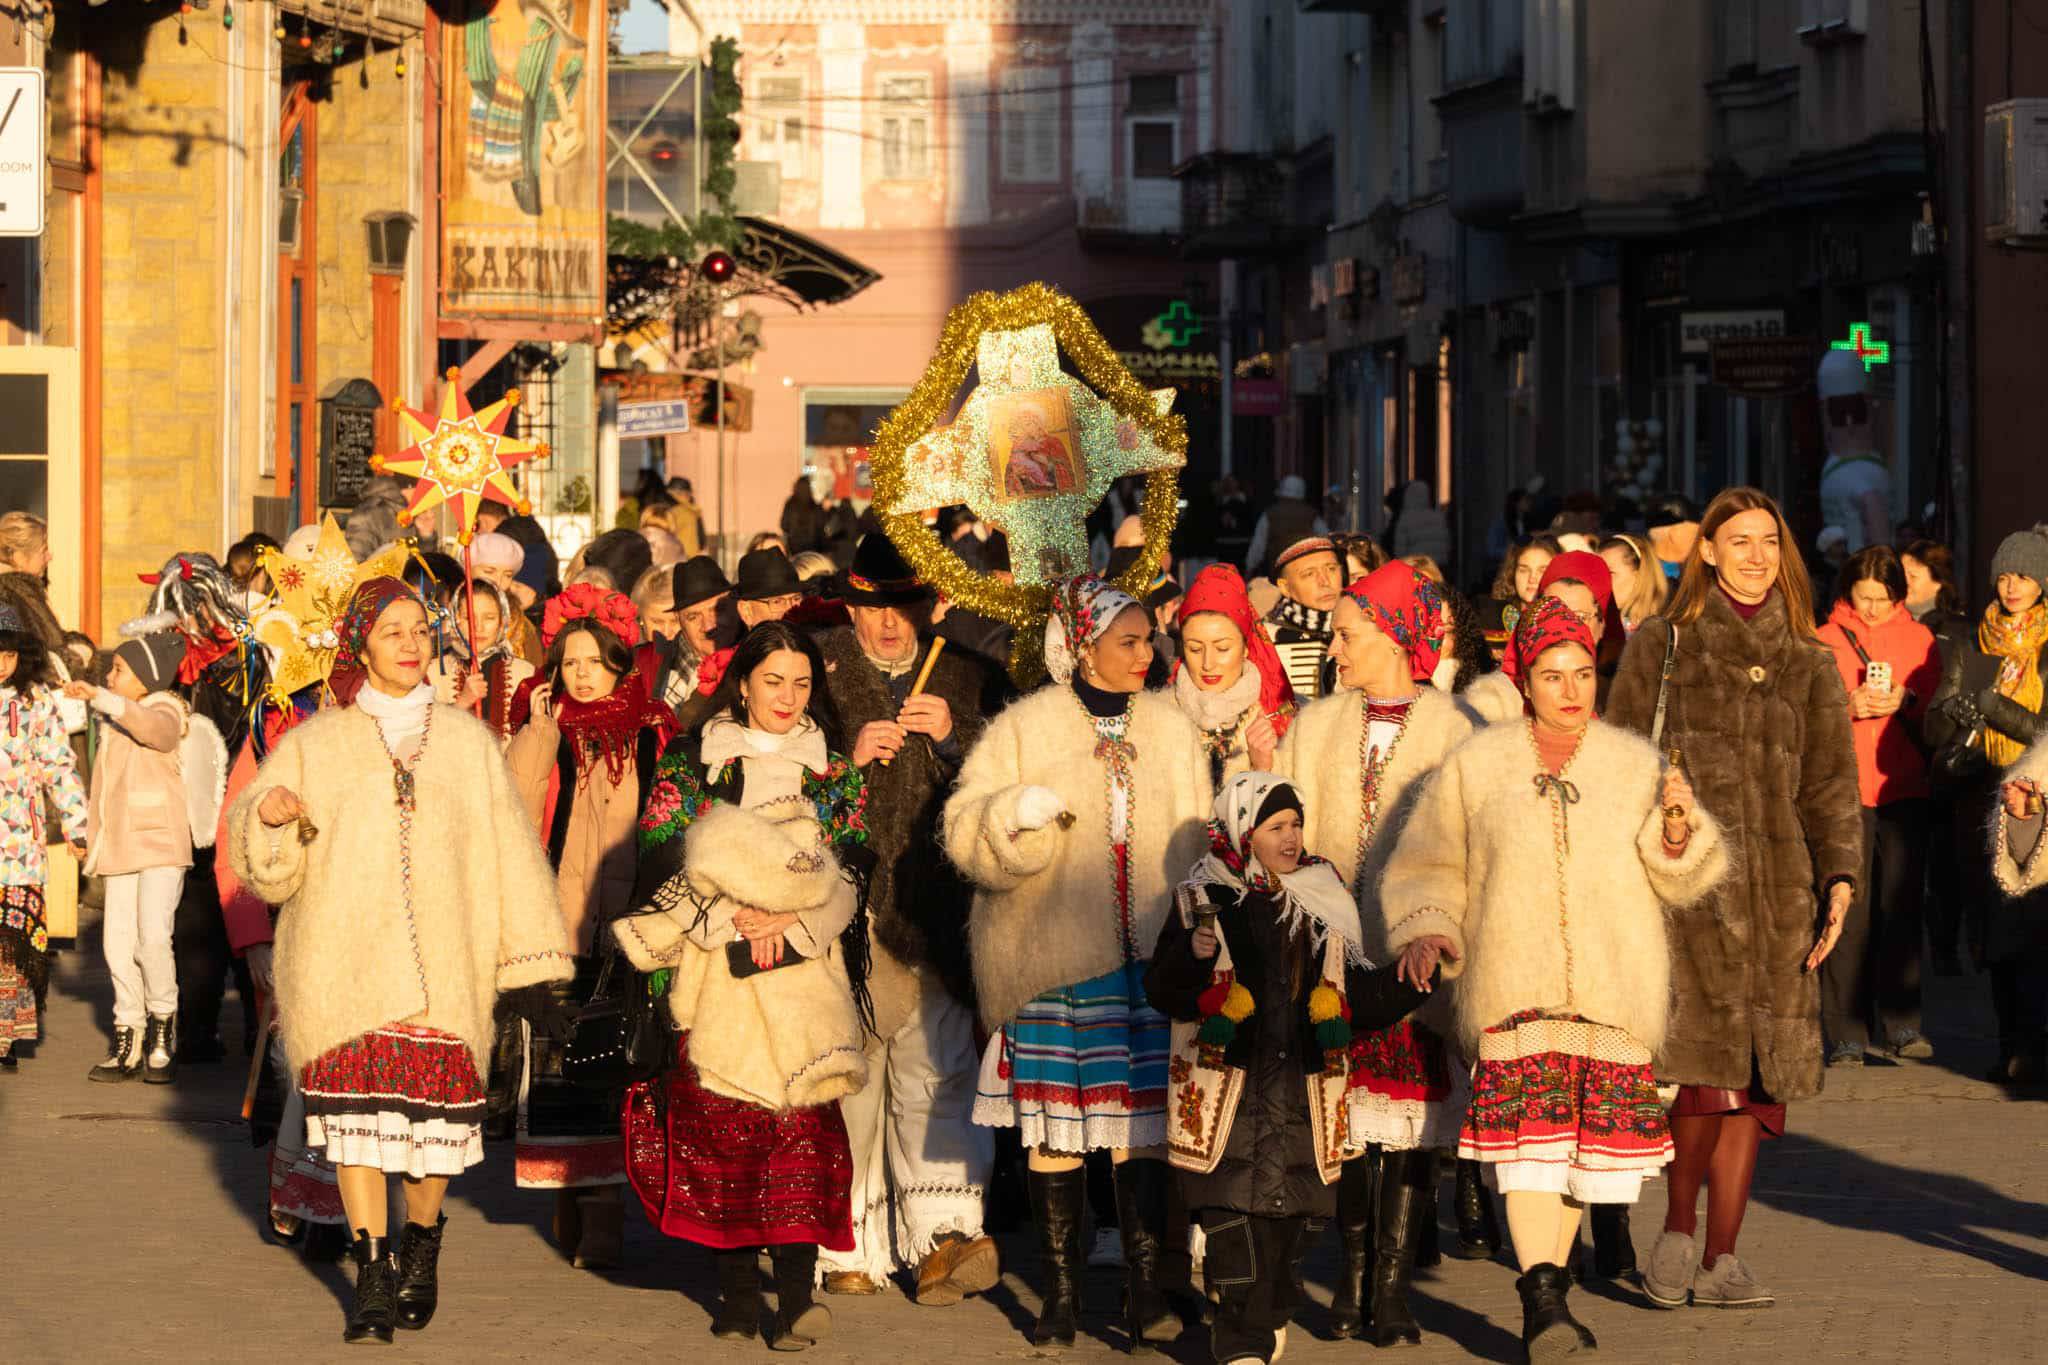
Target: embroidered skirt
400	1099
1080	1067
1566	1106
567	1135
24	963
727	1174
1405	1091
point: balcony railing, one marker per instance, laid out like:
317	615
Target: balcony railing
1239	204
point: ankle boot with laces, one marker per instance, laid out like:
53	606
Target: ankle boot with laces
160	1050
375	1308
419	1263
124	1058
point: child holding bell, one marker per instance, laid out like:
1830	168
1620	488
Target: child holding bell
1261	972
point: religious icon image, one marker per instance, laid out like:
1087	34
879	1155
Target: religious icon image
1031	441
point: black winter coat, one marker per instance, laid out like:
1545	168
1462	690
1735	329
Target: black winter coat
1269	1162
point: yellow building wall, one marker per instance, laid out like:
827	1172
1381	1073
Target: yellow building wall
362	162
162	259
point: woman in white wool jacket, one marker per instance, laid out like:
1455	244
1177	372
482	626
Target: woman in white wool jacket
1076	814
1537	870
1361	758
413	892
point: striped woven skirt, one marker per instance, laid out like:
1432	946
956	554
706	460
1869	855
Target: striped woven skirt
400	1099
1566	1106
1080	1067
1406	1090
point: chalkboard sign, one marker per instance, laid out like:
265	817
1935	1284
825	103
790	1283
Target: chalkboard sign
348	438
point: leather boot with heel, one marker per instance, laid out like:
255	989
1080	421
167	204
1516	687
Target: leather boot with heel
1549	1331
419	1273
1614	1247
800	1321
739	1295
371	1316
1405	1199
1478	1226
1057	1198
1141	1216
1354	1228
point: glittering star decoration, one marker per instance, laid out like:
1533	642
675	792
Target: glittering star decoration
1033	451
460	457
308	597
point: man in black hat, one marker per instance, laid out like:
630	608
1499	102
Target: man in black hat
766	587
701	596
915	1145
1310	574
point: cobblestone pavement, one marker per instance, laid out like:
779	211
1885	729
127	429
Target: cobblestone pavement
1899	1221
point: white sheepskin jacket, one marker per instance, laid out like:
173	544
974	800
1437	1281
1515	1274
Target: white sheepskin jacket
1551	904
353	952
788	1038
1494	698
1323	757
1045	913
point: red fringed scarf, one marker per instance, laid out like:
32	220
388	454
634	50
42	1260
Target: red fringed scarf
610	727
202	653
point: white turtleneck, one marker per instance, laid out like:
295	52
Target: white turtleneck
402	720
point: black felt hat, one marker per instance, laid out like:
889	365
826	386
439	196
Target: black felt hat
697	579
766	573
880	576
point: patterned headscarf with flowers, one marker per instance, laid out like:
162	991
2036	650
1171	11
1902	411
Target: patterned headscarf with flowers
1545	626
372	599
1577	566
1082	609
1409	608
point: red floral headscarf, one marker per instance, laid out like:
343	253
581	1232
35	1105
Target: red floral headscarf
1579	566
1408	607
1546	625
373	598
612	610
1220	588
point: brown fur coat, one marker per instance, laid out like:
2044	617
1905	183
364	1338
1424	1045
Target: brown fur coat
1763	723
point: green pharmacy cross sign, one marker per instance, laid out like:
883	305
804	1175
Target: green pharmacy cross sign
1175	327
1868	351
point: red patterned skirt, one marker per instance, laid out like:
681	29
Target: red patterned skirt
24	964
1404	1093
726	1174
399	1099
1568	1106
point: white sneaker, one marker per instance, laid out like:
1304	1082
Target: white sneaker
1728	1284
1669	1274
1108	1249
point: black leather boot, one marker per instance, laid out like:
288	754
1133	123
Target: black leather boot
799	1321
419	1264
371	1315
1405	1199
1177	1261
1354	1228
1614	1249
1141	1217
1057	1198
1549	1331
124	1058
1478	1227
739	1295
160	1050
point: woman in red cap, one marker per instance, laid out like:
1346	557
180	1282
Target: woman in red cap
1230	681
1537	871
1357	757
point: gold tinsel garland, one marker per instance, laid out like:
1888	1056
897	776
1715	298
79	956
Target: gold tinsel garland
1018	605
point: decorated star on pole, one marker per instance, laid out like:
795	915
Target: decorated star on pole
309	596
1033	451
460	457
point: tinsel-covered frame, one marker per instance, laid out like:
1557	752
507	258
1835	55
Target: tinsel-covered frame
1016	604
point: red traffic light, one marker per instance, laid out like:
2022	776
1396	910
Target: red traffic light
718	267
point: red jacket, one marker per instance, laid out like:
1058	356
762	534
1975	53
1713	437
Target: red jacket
1890	765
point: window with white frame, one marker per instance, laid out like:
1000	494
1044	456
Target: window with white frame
906	102
780	125
1031	124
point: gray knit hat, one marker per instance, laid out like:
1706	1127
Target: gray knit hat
2024	553
154	658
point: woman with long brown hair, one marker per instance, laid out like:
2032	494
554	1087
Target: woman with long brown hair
1733	678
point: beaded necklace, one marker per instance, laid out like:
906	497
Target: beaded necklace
1374	767
1117	755
1559	793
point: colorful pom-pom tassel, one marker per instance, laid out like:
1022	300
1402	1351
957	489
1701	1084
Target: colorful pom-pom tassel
1237	1005
1218	1031
1211	1000
1333	1035
1324	1004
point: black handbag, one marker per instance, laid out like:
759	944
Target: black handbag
622	1036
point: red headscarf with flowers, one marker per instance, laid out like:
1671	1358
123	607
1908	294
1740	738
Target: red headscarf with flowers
1545	626
372	599
1408	607
609	727
1577	566
1220	588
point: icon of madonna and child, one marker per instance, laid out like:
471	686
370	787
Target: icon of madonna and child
1032	441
